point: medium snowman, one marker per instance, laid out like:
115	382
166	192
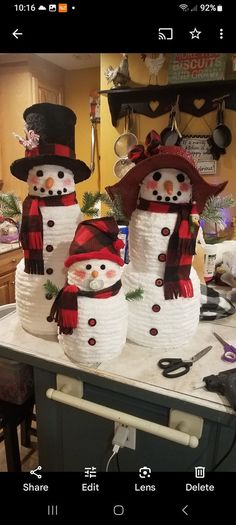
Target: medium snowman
50	211
91	310
163	196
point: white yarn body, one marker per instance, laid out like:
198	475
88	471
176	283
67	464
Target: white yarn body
32	306
102	338
172	322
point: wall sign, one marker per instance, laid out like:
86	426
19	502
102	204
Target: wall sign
199	148
196	67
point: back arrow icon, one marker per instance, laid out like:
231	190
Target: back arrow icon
184	510
16	34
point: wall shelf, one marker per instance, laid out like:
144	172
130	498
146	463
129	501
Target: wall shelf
154	101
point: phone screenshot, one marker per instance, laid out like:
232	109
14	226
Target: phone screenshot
117	261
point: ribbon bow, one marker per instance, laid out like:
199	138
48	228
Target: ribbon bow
140	152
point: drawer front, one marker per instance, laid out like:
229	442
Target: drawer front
9	261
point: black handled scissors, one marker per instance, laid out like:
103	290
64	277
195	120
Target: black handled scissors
170	365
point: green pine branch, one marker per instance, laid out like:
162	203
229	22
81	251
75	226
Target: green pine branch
115	208
134	295
9	205
51	288
213	211
89	203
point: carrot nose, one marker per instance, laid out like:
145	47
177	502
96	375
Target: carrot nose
49	183
168	185
94	273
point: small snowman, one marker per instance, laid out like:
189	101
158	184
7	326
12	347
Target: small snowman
163	196
91	310
50	211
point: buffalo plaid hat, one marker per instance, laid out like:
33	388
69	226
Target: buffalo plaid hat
96	239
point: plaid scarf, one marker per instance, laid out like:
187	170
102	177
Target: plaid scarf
65	307
31	235
181	248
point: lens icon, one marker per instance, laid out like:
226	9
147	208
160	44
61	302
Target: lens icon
118	510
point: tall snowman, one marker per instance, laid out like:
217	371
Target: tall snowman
162	195
91	310
50	211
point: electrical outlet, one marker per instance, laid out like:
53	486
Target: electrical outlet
131	439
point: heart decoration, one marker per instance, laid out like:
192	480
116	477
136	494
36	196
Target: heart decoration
199	103
153	105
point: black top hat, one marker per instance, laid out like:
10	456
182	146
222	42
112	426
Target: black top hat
52	128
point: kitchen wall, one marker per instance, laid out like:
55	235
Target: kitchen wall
226	166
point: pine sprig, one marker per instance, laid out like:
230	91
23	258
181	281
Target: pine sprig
89	203
51	288
115	208
213	211
134	295
9	205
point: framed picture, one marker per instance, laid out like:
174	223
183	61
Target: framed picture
199	148
196	67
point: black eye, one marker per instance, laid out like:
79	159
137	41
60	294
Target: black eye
156	175
60	174
39	173
102	266
180	177
88	266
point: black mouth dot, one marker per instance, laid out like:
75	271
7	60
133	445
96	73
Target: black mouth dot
50	192
167	199
42	190
175	198
179	193
59	192
155	192
65	190
35	188
159	198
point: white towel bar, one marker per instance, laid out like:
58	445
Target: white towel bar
125	419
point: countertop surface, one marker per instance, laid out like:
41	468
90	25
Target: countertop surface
137	365
8	247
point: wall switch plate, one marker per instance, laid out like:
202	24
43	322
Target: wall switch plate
69	385
131	439
186	422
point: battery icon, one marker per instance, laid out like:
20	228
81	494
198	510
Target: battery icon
219	7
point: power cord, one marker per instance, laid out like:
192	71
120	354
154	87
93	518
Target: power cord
119	440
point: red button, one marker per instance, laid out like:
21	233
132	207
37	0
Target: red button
162	257
92	322
165	232
159	282
156	308
153	331
92	341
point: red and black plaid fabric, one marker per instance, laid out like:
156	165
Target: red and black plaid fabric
94	235
65	307
31	234
181	248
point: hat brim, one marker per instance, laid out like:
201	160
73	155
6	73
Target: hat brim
93	255
127	189
20	167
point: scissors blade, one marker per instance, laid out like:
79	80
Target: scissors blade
222	341
201	354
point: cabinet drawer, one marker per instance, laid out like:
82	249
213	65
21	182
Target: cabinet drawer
9	260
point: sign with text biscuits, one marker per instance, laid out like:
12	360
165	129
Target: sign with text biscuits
196	67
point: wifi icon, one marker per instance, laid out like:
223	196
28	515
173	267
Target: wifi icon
184	7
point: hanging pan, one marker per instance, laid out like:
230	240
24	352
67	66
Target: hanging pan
221	136
170	135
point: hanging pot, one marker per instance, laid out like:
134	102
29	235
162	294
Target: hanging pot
221	136
170	135
122	166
